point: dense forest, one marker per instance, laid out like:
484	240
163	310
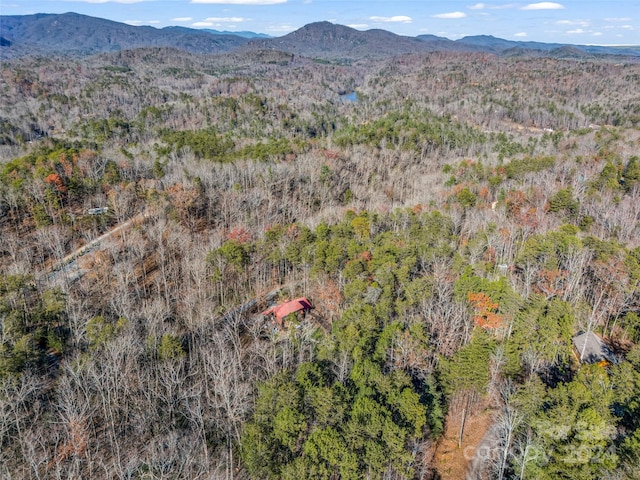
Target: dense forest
456	224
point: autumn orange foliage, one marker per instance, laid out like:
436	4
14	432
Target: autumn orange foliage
55	180
240	235
486	315
551	283
366	256
328	298
76	444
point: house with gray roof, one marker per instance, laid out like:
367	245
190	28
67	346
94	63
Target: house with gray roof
591	349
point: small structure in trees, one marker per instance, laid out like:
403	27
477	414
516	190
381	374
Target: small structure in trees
281	311
98	210
591	349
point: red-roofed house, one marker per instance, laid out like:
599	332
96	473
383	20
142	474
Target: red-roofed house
281	311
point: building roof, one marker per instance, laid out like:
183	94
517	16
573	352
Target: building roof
284	309
592	349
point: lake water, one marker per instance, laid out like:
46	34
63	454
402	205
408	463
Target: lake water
350	97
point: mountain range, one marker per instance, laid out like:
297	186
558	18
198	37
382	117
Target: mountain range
75	34
71	33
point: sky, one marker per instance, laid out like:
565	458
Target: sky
600	22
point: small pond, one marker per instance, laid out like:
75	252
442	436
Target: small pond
350	97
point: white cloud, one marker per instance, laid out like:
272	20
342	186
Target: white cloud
503	7
580	23
596	34
182	19
394	19
620	19
241	2
520	34
477	6
577	31
450	15
226	19
202	24
627	27
137	23
358	26
543	6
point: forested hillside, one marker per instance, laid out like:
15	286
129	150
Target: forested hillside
455	227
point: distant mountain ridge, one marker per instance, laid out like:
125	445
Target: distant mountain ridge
329	40
72	33
243	33
82	35
499	45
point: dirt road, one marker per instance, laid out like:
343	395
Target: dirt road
69	266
